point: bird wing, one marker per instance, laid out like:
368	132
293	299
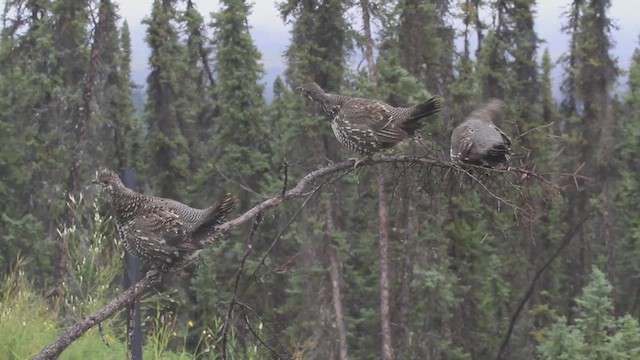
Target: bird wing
162	226
381	122
190	217
214	216
461	142
505	137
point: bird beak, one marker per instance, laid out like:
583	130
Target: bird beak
299	88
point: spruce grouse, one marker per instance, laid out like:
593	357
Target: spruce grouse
367	125
478	141
161	232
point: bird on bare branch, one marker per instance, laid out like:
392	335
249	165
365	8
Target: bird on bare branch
368	125
478	141
159	231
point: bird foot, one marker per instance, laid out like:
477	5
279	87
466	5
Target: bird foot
154	275
357	161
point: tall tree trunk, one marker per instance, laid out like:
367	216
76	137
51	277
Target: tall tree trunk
404	301
479	26
383	243
368	42
81	125
383	217
334	276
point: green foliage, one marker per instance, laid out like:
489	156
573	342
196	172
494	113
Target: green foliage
167	142
461	260
95	257
28	322
117	122
595	333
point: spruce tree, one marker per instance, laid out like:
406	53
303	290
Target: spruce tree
240	149
628	249
425	42
167	147
590	74
26	156
117	126
594	333
237	161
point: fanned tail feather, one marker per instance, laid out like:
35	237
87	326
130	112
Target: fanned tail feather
217	215
427	109
499	150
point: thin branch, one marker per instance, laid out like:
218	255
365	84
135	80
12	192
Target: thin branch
257	336
286	227
286	177
234	296
329	174
567	239
243	185
532	130
280	234
72	333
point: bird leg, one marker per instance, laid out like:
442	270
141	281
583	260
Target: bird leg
418	140
154	274
357	161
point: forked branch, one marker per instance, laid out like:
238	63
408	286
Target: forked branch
306	186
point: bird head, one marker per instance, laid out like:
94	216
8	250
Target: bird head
312	91
108	180
491	111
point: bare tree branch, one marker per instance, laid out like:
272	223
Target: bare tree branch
255	333
76	330
316	180
234	296
567	239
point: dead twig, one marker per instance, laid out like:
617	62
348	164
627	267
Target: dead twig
567	239
286	177
328	174
532	130
76	330
234	296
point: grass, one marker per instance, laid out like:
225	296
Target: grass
29	321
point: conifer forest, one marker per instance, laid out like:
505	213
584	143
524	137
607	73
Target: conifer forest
405	256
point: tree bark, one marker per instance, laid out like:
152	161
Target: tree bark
336	293
81	126
383	217
383	243
404	301
316	180
74	332
368	42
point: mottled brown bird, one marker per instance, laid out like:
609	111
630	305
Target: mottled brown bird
161	232
478	141
367	125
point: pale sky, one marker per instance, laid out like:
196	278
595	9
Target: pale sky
271	36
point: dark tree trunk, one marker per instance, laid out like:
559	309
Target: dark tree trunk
368	42
336	281
383	243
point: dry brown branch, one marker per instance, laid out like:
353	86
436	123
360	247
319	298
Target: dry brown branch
538	128
247	323
234	296
512	322
306	186
72	333
281	233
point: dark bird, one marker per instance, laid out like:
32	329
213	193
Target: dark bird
367	125
478	141
161	232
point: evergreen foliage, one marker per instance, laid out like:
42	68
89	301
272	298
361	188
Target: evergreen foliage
167	145
494	265
594	333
